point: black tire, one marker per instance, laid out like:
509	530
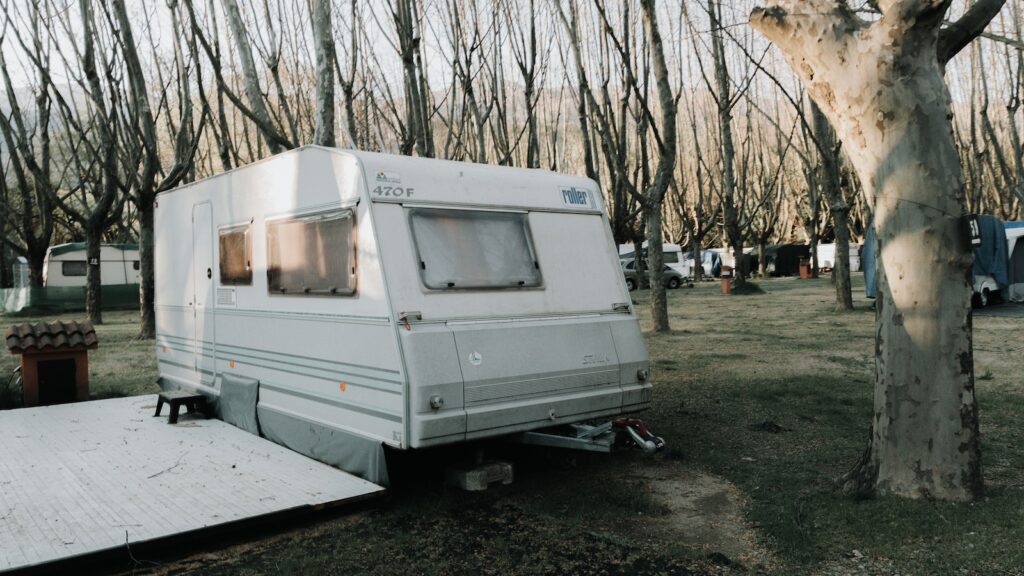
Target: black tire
631	284
673	283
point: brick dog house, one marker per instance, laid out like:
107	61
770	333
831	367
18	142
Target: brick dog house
54	360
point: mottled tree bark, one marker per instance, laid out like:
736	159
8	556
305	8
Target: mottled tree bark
882	86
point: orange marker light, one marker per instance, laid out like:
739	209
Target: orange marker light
165	348
231	363
342	386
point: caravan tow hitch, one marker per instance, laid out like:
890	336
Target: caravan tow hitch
600	438
639	434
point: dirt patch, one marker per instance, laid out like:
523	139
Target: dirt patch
706	512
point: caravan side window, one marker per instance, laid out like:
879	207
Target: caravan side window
312	255
474	249
235	255
73	267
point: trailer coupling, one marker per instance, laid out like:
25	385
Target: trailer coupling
600	438
639	434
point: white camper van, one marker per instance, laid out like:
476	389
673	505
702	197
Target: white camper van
65	264
376	299
672	255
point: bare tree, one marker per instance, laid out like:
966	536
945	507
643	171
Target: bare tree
406	16
725	100
347	81
881	84
141	140
28	145
654	196
97	194
323	41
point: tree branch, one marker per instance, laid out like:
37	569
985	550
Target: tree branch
959	34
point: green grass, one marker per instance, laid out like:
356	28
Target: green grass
816	383
769	393
122	365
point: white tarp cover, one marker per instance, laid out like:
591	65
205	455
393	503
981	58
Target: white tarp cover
1015	242
474	249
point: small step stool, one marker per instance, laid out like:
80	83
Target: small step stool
192	401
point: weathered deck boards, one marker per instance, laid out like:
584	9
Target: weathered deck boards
82	478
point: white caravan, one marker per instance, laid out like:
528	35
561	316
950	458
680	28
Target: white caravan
827	257
375	299
65	264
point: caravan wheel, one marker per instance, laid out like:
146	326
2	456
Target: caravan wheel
631	284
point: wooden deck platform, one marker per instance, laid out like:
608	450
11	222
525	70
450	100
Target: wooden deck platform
83	478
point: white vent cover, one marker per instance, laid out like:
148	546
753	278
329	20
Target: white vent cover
226	297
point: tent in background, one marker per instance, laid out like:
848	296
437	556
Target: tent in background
998	261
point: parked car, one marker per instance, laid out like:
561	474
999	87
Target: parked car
669	276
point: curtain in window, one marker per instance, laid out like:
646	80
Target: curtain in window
311	255
474	249
236	255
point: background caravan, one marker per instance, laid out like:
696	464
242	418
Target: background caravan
64	277
337	301
65	264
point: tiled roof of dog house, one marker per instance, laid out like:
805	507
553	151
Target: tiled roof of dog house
58	335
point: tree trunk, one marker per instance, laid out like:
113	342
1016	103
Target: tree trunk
323	42
638	255
882	87
147	289
698	262
739	273
831	184
812	233
36	262
762	266
93	281
253	92
841	263
655	196
655	263
725	104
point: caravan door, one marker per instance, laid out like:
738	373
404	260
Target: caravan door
202	290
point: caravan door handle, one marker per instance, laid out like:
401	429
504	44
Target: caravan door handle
209	273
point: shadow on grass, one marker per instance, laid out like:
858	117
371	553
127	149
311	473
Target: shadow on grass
819	426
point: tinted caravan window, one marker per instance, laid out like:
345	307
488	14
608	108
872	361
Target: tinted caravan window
73	268
474	249
312	255
236	255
